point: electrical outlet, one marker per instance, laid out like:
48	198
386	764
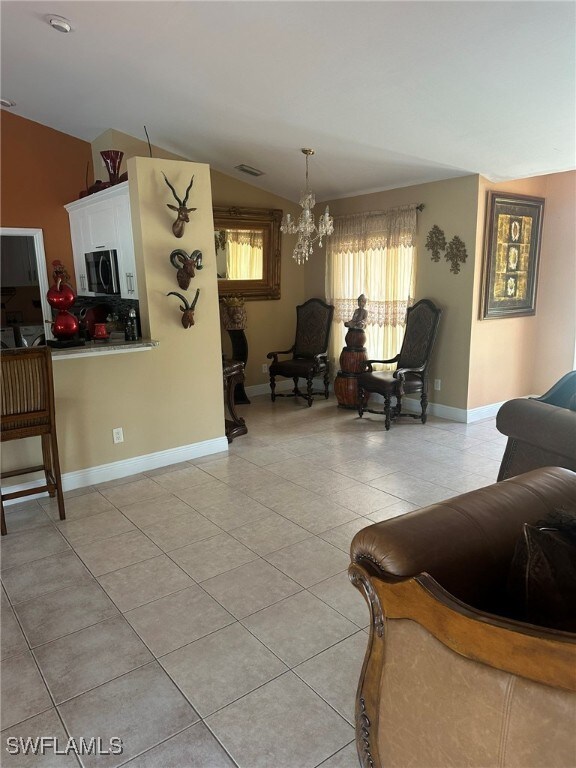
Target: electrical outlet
118	435
437	384
264	368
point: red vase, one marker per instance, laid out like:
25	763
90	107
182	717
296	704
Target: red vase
112	159
65	325
60	296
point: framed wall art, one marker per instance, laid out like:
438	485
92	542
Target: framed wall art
511	254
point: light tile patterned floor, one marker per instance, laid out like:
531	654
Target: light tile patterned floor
202	613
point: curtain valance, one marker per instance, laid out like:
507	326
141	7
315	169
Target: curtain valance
374	229
245	237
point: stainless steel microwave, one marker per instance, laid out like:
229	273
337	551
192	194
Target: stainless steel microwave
102	273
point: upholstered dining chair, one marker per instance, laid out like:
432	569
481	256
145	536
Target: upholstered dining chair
411	374
309	351
28	411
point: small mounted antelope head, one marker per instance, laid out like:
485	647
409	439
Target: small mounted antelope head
182	218
186	309
186	266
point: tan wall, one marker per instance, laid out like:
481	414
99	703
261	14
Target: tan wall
42	169
452	206
518	356
170	396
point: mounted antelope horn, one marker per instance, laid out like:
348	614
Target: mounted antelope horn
181	209
186	266
186	309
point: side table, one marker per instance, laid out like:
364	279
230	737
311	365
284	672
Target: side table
352	360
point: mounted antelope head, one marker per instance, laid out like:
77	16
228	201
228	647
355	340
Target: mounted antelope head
186	309
182	218
186	266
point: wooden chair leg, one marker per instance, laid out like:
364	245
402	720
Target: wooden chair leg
272	388
326	384
57	475
387	406
361	399
424	404
2	519
309	391
47	460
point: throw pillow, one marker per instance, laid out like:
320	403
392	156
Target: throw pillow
542	578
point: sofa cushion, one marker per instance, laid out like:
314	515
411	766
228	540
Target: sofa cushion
542	580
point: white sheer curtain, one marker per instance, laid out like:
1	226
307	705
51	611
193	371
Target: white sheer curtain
374	254
244	250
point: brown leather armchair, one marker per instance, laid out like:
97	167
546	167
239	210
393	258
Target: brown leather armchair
541	431
448	681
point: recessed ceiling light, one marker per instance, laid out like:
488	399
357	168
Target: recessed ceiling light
249	170
59	23
7	103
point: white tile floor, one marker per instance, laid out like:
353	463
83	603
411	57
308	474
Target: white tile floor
202	613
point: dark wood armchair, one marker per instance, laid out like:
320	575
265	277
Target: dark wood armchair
309	351
411	374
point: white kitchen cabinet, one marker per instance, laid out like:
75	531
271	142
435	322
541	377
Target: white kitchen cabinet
102	222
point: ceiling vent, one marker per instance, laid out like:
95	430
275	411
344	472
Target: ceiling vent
249	170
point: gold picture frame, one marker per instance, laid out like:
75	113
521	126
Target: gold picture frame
511	255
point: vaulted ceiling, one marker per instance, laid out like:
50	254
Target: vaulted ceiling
389	94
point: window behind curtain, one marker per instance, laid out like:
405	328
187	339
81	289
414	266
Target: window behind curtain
373	254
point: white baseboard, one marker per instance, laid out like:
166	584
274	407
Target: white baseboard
117	469
410	404
462	415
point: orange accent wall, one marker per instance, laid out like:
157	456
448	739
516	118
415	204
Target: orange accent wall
42	169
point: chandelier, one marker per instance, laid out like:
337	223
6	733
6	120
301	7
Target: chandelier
307	231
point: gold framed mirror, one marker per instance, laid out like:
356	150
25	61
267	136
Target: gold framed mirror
247	242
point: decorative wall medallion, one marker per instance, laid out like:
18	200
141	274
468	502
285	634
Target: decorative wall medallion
436	242
456	254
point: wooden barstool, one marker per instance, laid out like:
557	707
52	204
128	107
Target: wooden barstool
28	411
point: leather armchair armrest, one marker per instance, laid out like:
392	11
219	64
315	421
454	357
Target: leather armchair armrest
274	355
546	426
485	523
368	363
400	373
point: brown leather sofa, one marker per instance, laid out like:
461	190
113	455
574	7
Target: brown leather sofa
448	681
541	431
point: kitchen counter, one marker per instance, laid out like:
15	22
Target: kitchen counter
93	348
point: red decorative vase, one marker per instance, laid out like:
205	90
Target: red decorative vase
62	297
112	159
65	325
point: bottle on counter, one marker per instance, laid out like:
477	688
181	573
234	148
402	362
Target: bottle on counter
130	330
